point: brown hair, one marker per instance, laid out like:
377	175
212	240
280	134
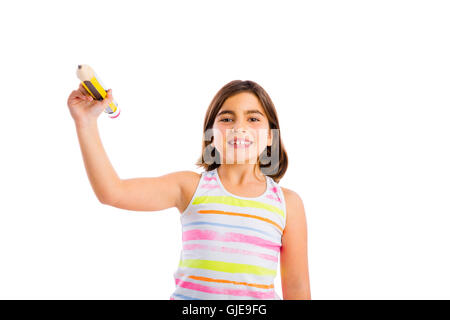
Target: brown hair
228	90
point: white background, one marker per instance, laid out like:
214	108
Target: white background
362	90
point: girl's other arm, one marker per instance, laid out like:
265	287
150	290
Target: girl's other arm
293	254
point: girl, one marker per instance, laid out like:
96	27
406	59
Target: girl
236	219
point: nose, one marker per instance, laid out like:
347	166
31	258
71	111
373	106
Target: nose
238	129
239	126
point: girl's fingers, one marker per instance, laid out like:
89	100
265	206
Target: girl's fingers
78	95
84	94
83	97
81	94
83	90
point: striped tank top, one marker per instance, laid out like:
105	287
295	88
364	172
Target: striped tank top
230	244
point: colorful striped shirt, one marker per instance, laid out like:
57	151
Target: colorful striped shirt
230	244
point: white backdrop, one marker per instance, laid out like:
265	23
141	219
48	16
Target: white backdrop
362	90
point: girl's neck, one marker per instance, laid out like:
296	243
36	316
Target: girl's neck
240	174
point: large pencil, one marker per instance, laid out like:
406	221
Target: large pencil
96	89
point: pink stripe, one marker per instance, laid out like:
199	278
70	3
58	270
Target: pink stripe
269	196
116	115
229	250
210	178
209	186
198	234
231	292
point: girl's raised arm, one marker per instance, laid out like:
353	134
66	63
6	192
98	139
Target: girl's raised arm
139	194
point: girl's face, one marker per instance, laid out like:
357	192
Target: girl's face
241	129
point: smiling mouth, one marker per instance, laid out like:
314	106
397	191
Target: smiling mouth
240	143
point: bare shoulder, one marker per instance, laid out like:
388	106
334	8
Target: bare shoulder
188	182
295	214
181	179
291	197
186	178
294	203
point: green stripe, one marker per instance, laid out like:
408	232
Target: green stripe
226	267
237	202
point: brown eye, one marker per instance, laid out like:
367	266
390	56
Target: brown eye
255	119
223	120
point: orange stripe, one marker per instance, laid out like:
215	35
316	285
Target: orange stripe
242	215
263	286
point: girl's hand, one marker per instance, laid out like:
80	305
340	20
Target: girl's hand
83	108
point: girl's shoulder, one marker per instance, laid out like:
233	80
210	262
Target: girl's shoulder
294	203
187	174
188	180
288	193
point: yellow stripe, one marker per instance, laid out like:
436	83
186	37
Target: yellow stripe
228	200
102	91
226	267
98	86
87	89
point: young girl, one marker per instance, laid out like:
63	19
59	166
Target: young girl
236	219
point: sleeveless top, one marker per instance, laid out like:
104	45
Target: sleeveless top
230	244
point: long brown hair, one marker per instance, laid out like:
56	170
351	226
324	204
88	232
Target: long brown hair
228	90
